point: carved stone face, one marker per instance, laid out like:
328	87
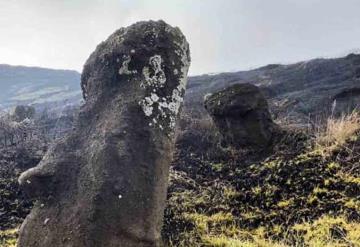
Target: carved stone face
242	116
105	184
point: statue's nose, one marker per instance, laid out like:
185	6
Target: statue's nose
36	183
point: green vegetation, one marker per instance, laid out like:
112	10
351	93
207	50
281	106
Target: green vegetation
302	195
330	231
8	238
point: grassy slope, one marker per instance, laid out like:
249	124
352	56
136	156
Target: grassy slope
296	197
8	238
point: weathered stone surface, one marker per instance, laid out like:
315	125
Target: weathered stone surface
105	183
242	116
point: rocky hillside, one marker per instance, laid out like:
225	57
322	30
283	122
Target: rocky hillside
304	191
299	195
37	86
294	91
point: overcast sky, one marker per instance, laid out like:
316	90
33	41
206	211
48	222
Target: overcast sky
224	35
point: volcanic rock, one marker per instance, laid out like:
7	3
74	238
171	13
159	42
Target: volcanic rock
105	183
242	116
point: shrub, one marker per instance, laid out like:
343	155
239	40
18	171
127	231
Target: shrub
337	131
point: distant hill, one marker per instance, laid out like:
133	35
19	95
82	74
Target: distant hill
38	86
295	91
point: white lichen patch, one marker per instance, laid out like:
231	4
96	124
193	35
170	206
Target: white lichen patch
183	47
146	105
167	108
154	77
154	97
163	110
124	69
148	110
154	74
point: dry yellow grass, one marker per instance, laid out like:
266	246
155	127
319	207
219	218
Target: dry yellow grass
337	131
8	238
326	231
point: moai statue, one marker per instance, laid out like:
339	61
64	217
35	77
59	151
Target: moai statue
242	116
105	183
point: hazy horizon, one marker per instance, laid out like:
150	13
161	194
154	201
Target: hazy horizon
224	36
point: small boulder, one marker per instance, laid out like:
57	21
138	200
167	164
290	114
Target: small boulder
242	116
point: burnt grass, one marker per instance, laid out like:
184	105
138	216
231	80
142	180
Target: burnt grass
275	189
288	184
14	206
